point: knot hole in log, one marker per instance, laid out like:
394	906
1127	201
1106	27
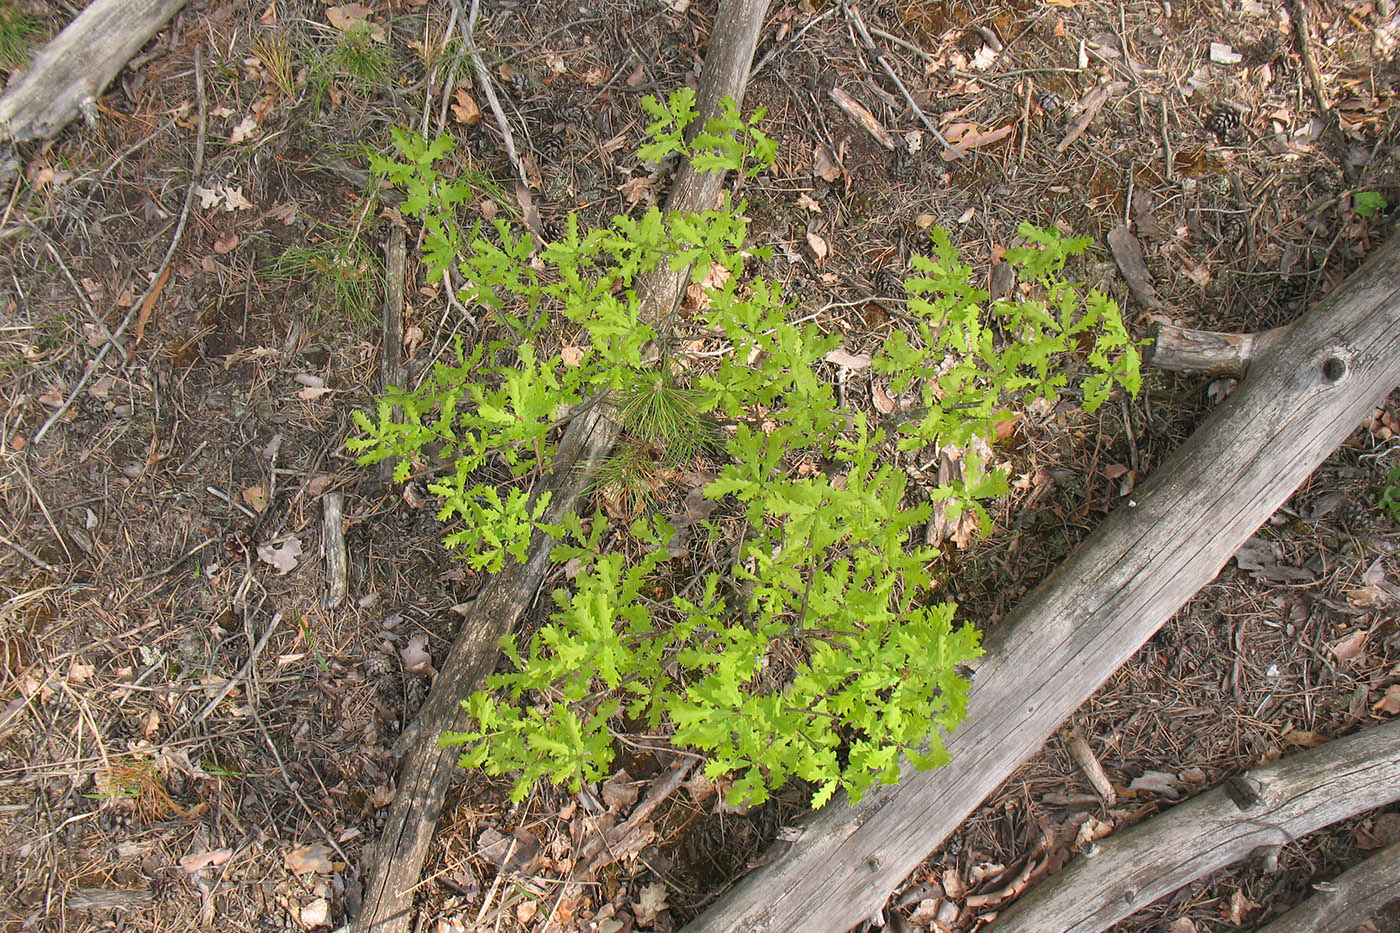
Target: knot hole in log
1334	368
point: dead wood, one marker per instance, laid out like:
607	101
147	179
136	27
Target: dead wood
1297	403
333	549
1183	350
1267	807
66	76
1349	900
413	815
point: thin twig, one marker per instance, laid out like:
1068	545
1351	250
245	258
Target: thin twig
164	263
484	76
854	16
27	555
243	671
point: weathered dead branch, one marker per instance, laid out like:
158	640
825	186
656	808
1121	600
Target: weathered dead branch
1349	900
1297	403
66	76
1269	806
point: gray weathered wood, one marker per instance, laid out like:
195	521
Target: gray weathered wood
1269	806
66	76
1349	900
1298	402
333	549
388	899
1183	350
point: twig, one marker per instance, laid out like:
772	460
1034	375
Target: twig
484	76
854	16
243	671
164	263
333	544
790	43
27	555
1026	116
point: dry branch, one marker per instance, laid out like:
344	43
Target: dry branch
66	76
1349	900
1270	806
423	780
1297	403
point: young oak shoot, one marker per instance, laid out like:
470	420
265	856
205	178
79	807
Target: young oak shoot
805	643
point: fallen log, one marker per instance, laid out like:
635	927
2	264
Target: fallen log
1349	900
1298	401
1266	807
67	75
423	778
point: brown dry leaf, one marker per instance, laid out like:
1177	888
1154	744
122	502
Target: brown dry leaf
315	914
256	497
571	355
1180	924
818	246
1092	830
1163	783
618	791
1127	252
318	483
195	861
637	190
1239	907
975	138
530	213
226	244
354	16
282	556
1089	106
1350	647
381	796
1370	596
594	76
1304	738
699	787
650	902
80	672
1390	703
416	659
508	853
808	203
852	361
305	860
246	129
1196	272
881	399
825	165
466	110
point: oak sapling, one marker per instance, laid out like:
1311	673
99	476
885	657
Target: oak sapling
800	639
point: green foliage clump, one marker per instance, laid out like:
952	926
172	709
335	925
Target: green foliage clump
810	647
1389	500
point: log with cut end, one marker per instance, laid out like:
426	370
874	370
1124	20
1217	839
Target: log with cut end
1273	806
68	74
1297	403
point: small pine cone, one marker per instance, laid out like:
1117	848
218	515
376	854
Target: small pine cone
1050	102
1224	122
377	665
889	282
549	149
1231	229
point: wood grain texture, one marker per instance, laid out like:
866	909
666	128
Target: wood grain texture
388	898
1349	900
1290	798
1154	552
1183	350
66	76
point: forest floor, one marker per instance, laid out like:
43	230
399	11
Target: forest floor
189	738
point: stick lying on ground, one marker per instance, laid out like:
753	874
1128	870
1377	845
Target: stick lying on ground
1297	403
1268	806
68	74
1349	900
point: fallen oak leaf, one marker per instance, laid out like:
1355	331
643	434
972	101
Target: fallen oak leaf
192	863
975	138
466	109
309	859
281	556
